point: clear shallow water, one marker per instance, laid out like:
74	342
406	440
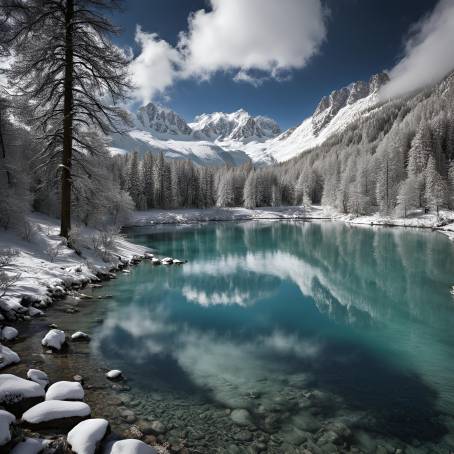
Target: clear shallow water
302	324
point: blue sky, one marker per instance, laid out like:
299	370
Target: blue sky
362	37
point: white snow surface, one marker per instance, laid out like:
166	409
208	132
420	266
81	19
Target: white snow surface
84	437
7	356
233	138
6	419
55	338
29	446
65	390
13	388
130	446
8	333
55	409
38	376
39	275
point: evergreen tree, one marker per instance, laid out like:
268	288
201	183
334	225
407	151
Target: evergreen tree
147	178
250	191
436	187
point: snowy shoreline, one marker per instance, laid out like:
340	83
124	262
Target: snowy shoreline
417	219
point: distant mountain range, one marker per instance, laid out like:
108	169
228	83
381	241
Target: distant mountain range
235	138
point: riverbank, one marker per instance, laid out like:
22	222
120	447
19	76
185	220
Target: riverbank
37	405
444	222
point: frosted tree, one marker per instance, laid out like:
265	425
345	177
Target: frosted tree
225	190
158	174
408	195
147	179
68	68
135	186
436	187
250	200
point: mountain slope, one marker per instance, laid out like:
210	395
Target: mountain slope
235	138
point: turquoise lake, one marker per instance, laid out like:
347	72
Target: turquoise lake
302	325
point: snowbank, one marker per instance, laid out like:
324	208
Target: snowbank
84	438
49	269
444	222
51	410
65	390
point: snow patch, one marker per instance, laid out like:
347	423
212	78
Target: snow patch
65	390
85	437
50	410
55	338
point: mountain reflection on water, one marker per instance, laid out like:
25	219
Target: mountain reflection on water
362	314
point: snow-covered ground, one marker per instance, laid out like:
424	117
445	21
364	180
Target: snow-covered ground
45	266
444	222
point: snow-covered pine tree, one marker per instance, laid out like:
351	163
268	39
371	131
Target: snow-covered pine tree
158	175
72	74
147	179
408	195
436	192
249	196
135	186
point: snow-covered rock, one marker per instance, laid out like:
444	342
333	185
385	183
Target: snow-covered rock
80	336
161	119
7	356
29	446
65	390
56	414
35	312
148	255
8	333
86	436
178	262
18	394
38	376
6	420
130	446
155	261
237	125
54	339
114	374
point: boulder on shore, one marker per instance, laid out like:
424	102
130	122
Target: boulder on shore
38	376
56	415
65	390
86	437
18	395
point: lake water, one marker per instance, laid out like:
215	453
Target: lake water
304	325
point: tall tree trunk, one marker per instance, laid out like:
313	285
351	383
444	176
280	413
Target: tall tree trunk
66	182
3	147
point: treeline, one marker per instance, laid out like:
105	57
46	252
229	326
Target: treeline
397	158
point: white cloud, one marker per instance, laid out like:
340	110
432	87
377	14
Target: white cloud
269	36
155	68
428	53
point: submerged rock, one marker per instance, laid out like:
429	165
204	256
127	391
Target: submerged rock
241	416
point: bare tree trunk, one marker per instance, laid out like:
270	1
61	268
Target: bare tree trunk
66	182
3	147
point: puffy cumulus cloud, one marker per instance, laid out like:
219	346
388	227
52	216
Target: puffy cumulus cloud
155	68
428	53
267	35
243	36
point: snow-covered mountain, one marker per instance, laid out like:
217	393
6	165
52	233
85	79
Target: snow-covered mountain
235	138
238	126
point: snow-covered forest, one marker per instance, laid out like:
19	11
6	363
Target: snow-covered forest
397	157
60	108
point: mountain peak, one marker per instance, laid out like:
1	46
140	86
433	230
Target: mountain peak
162	120
238	126
330	105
